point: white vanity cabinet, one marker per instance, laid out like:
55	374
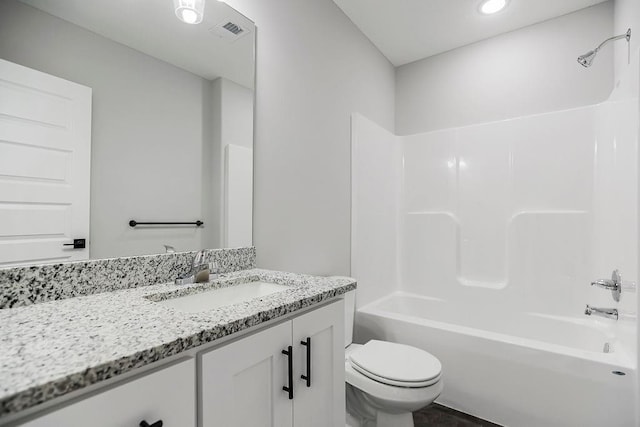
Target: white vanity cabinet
236	384
167	395
242	382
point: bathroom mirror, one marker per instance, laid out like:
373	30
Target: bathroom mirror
153	121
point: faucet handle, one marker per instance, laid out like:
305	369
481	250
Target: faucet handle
614	284
605	283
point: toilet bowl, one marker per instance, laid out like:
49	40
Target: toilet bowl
385	381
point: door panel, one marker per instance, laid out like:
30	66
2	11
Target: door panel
45	154
323	403
241	383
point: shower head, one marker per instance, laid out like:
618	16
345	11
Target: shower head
586	59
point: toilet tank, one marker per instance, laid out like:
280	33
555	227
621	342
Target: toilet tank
349	316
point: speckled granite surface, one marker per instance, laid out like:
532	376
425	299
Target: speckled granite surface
21	286
56	347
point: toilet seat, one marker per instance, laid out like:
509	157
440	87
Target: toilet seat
399	397
387	381
396	364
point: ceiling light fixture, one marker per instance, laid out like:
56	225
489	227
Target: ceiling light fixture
189	11
489	7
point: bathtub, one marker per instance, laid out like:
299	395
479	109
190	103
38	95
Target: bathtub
516	369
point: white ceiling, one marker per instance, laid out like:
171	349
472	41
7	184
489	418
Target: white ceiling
409	30
151	27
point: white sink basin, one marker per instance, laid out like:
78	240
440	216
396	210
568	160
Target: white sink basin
220	297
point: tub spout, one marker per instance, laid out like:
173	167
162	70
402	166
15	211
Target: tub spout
610	313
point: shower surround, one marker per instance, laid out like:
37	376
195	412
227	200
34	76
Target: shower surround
487	238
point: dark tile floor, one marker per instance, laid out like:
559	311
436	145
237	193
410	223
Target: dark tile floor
441	416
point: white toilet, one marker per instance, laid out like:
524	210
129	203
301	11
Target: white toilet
385	381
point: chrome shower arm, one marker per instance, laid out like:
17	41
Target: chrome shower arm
626	35
586	59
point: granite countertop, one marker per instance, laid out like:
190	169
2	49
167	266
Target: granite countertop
50	349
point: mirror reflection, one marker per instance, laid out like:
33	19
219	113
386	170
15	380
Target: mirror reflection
120	111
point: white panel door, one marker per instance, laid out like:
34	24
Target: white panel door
167	395
241	383
45	155
321	401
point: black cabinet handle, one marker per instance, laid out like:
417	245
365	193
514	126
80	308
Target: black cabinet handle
158	423
307	377
289	353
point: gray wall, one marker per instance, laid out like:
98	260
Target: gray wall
231	123
147	128
527	71
314	68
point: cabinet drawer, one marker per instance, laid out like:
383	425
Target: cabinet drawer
168	394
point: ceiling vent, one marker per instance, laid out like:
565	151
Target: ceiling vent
228	30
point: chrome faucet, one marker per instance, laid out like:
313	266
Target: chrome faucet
609	313
199	272
614	284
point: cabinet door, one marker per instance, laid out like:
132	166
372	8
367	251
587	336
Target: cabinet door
322	403
241	383
168	395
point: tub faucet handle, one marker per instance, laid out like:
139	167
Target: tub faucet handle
614	284
605	283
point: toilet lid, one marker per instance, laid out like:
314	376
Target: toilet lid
396	364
